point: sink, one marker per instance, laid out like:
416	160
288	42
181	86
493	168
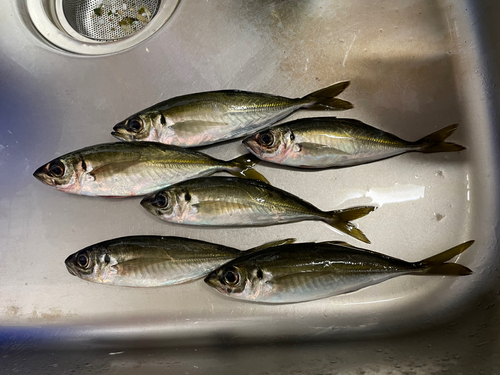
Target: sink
414	68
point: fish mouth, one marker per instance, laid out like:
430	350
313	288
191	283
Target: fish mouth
118	136
70	265
121	133
212	281
41	174
147	203
247	141
251	144
121	136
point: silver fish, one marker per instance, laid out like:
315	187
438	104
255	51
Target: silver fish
150	261
128	169
309	271
209	117
225	201
326	142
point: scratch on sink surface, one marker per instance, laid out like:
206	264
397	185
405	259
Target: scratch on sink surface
370	302
115	353
27	163
348	50
324	329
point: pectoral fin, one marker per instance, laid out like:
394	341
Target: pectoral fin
318	149
221	208
134	265
190	127
110	169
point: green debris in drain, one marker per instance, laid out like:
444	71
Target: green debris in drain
143	15
126	24
98	11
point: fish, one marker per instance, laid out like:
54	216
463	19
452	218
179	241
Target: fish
310	271
327	142
129	169
205	118
152	261
222	201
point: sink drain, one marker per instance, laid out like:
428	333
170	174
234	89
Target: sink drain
98	27
109	20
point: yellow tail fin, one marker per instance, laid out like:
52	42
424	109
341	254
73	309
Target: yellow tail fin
435	265
325	99
435	142
242	167
340	219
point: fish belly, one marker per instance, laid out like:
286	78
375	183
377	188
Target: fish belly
140	179
305	287
209	127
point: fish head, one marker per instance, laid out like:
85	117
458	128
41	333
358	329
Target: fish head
138	127
170	204
62	173
92	264
229	280
271	144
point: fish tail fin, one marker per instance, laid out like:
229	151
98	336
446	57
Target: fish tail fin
242	166
435	265
446	269
286	241
435	142
341	220
325	99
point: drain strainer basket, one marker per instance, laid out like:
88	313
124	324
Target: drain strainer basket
109	20
98	27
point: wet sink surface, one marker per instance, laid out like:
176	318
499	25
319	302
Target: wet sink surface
415	67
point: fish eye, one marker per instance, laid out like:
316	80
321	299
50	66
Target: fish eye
161	200
266	139
82	260
135	125
56	168
231	277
